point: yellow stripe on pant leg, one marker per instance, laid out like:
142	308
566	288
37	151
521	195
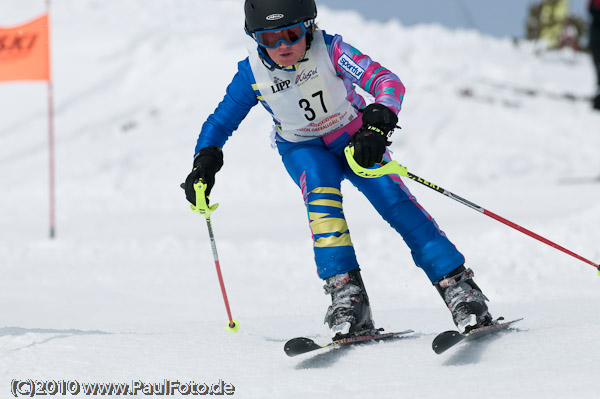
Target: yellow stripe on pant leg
326	202
333	241
316	215
328	225
326	190
336	227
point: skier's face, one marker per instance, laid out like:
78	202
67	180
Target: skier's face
286	55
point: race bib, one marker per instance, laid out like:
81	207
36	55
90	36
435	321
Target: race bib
308	102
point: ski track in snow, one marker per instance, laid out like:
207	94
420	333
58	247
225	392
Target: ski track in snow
128	290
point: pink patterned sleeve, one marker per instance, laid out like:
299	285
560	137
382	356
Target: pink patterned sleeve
354	67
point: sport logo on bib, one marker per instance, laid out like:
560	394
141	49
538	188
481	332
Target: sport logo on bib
305	76
280	85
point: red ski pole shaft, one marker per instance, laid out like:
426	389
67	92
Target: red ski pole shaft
202	208
218	266
539	238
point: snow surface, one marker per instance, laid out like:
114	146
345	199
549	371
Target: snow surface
128	289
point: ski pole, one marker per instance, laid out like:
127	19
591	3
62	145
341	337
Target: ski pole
202	208
394	168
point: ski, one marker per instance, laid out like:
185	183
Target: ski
448	339
300	345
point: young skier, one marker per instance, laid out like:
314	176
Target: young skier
305	79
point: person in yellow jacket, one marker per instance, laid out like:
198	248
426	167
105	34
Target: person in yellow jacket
547	20
553	14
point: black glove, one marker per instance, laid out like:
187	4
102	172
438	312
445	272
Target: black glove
372	138
379	116
207	163
369	147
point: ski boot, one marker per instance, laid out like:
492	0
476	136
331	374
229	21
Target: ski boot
464	299
350	312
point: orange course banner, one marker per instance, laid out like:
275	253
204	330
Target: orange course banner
25	51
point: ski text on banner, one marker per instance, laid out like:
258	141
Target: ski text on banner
25	51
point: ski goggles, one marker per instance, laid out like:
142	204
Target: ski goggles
272	38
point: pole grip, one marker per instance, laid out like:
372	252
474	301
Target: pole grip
202	207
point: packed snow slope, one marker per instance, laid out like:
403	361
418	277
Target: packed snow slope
128	289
